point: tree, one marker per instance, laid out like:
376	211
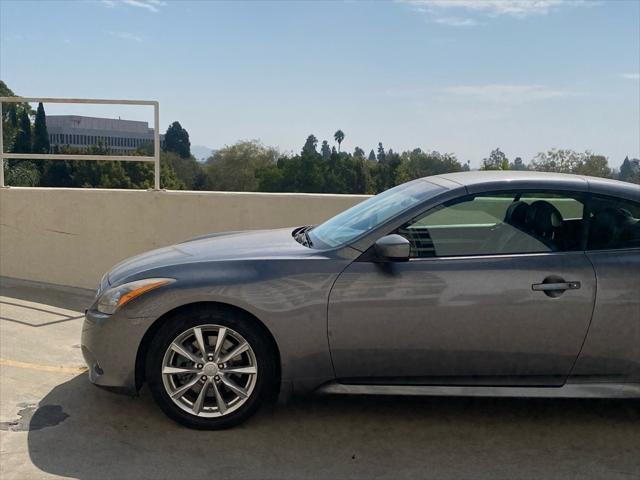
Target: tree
358	153
557	160
630	170
418	164
339	137
40	134
11	113
372	156
235	167
497	161
168	177
326	150
518	164
309	177
22	174
176	139
22	140
381	155
362	182
594	165
188	170
310	144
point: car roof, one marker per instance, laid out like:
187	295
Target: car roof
487	180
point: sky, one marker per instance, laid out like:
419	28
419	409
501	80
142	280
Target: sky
460	77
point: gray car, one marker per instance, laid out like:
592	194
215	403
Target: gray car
479	283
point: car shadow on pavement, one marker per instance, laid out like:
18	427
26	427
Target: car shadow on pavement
97	434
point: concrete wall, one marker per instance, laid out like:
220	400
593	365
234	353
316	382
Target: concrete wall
72	236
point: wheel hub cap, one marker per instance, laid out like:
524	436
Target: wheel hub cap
210	369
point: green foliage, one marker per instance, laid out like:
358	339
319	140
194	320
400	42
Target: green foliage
594	165
325	150
236	167
417	164
11	112
40	134
187	170
497	161
21	173
176	139
310	145
630	170
168	177
252	166
346	173
569	161
22	139
381	154
557	160
339	137
518	164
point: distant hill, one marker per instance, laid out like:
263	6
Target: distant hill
201	152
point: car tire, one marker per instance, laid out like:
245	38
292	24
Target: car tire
176	330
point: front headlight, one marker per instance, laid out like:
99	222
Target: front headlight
115	297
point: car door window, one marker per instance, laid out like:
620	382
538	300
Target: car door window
614	224
501	223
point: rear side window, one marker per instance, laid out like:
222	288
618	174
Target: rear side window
614	224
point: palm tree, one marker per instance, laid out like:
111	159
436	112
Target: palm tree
339	136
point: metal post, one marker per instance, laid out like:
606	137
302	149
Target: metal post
156	145
56	156
1	147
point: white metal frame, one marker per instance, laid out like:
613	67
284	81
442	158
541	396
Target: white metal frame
59	156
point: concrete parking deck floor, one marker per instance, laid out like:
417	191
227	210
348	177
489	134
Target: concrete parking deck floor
54	424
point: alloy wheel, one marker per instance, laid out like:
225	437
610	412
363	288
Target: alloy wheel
209	371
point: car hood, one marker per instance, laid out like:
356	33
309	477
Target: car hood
251	244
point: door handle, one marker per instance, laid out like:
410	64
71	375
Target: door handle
556	286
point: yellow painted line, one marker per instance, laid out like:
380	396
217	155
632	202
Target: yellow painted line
41	368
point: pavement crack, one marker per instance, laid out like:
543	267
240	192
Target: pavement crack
61	232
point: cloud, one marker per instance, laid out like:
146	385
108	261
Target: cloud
506	94
126	36
149	5
435	9
456	21
631	76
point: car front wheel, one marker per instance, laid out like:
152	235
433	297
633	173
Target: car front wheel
210	370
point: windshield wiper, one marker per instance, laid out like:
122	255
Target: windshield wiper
308	238
301	235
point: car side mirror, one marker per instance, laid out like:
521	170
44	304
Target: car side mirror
393	248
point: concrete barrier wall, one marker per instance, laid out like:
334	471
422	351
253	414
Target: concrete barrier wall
72	236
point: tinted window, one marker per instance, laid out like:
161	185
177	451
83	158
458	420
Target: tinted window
614	224
498	224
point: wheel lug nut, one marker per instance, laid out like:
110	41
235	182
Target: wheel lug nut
203	378
220	365
210	357
200	365
217	378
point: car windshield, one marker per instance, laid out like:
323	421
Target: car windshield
374	211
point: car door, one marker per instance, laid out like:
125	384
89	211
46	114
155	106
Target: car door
611	352
498	291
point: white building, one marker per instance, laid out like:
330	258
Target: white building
83	132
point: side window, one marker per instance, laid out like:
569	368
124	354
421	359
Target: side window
615	224
493	224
